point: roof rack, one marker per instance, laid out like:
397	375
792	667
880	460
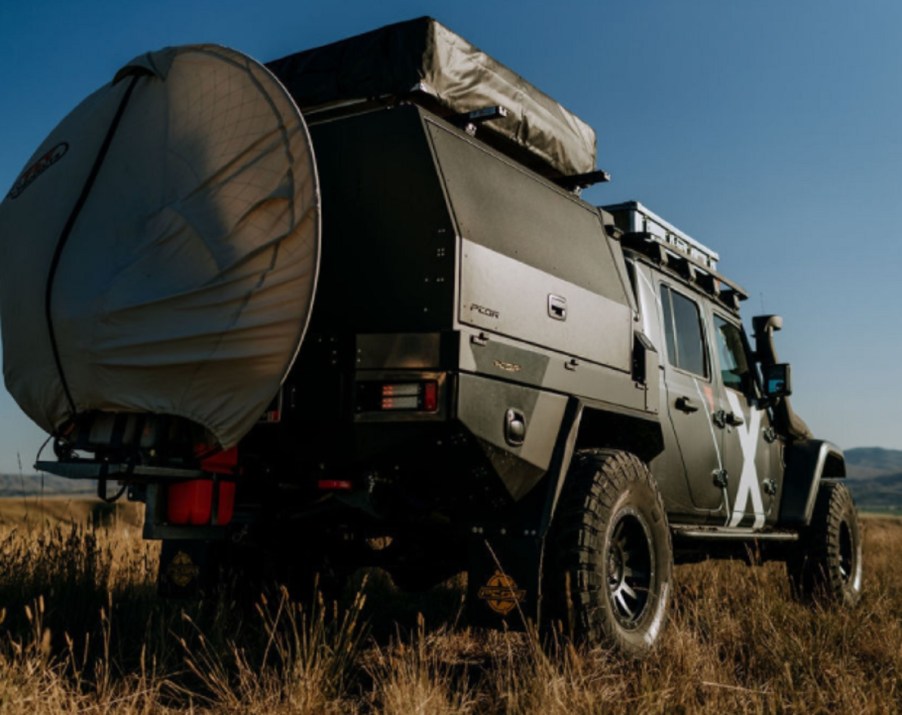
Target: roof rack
649	234
633	217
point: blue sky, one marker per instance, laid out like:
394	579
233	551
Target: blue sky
769	130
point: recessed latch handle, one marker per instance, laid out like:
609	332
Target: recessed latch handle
557	307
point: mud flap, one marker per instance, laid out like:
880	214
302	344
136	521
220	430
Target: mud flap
503	585
189	568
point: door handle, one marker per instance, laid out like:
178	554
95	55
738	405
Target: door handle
722	418
686	405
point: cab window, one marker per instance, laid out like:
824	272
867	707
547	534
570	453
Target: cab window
683	332
734	365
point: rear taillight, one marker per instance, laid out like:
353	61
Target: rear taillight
418	396
328	485
430	396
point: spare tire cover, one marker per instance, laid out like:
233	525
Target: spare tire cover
159	253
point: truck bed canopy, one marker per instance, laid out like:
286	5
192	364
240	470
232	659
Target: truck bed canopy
422	61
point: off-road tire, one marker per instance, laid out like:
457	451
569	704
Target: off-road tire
609	558
826	564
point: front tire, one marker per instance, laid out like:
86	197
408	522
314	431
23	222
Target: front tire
826	565
609	556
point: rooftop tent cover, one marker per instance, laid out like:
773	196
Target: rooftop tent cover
424	61
159	252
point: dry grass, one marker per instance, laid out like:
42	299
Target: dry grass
82	631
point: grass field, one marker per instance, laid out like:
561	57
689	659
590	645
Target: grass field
82	631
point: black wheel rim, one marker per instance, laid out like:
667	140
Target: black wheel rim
629	569
846	552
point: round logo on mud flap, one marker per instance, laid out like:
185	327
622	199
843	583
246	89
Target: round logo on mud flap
182	570
501	593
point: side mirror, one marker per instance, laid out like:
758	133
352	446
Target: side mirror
765	326
777	382
767	323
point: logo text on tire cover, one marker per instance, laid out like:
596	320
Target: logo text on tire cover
39	167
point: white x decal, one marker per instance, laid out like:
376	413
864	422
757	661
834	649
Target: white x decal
748	480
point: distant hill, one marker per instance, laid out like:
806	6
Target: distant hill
71	509
18	485
875	477
882	493
864	462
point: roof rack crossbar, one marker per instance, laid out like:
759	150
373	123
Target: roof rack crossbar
690	268
665	244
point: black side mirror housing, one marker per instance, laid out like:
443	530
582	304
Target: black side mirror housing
765	326
777	380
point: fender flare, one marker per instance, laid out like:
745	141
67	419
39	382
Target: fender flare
580	427
560	461
808	464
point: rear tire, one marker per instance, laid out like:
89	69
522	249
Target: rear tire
826	565
609	555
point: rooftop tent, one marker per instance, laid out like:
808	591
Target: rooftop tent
424	62
159	253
